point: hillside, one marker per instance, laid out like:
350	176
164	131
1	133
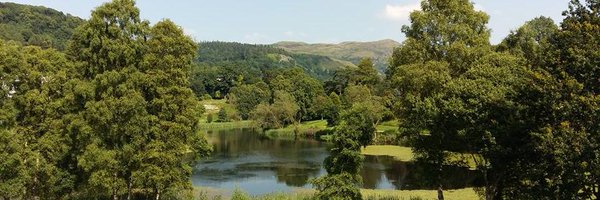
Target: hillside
222	65
36	25
353	52
263	57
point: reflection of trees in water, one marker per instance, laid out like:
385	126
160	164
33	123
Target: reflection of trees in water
238	142
412	176
298	174
295	162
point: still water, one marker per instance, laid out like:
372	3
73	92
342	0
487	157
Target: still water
244	159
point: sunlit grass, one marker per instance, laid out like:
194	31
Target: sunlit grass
369	194
460	194
406	154
398	152
387	126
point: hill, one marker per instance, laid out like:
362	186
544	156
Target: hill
36	25
222	65
353	52
264	57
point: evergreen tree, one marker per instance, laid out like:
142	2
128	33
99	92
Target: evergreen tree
139	118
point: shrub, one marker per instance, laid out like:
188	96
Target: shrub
209	118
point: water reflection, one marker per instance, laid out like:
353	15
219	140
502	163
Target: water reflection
244	159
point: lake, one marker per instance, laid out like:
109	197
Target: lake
243	158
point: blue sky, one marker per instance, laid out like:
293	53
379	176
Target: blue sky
313	21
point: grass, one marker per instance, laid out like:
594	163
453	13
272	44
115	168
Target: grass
406	154
212	106
306	194
398	152
387	126
460	194
305	128
225	125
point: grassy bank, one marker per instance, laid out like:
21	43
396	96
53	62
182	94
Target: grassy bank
398	152
307	194
226	125
388	126
406	154
308	128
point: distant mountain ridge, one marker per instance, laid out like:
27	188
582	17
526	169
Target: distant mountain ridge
261	57
379	51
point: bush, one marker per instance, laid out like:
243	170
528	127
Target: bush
209	118
206	97
222	116
239	195
337	186
323	134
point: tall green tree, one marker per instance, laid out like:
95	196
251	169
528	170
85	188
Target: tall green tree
247	97
302	87
448	31
139	118
443	41
344	162
578	42
32	102
532	41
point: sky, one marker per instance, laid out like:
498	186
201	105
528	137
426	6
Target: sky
311	21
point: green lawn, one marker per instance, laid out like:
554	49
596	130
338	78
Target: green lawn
406	154
387	125
212	106
398	152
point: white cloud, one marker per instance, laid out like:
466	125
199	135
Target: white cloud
400	12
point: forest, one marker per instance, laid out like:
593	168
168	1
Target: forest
116	107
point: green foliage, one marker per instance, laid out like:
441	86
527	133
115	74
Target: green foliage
222	116
443	31
224	65
338	187
303	88
30	123
209	118
282	112
353	52
238	194
247	97
578	42
364	75
532	41
36	25
137	76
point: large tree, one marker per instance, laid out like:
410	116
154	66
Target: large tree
31	124
139	115
443	41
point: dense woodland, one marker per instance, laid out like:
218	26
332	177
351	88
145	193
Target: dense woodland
39	26
223	65
113	113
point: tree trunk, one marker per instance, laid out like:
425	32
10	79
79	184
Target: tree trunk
440	189
129	190
157	195
440	192
115	197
